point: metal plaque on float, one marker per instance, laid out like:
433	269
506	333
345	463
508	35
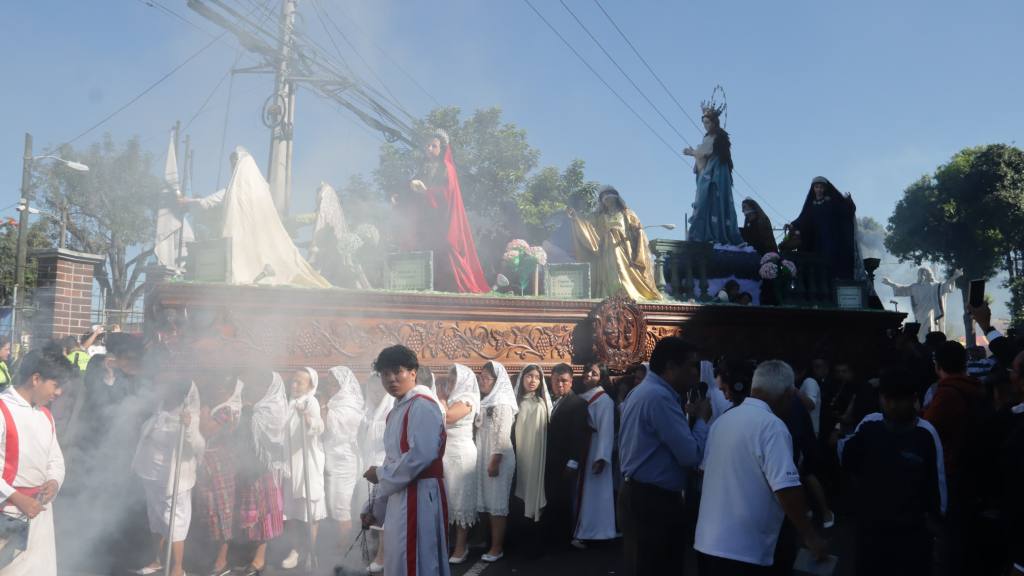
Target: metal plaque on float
850	295
411	271
210	260
567	281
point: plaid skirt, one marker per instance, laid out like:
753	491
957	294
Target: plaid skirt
216	492
260	509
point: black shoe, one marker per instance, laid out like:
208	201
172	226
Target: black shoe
250	571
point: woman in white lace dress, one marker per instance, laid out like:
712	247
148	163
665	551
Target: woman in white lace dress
460	397
496	461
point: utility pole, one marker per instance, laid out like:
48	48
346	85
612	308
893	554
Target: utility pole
279	115
26	198
22	250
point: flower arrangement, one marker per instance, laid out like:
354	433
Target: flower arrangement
368	233
524	259
349	243
772	265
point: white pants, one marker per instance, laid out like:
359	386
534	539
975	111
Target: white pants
158	508
295	506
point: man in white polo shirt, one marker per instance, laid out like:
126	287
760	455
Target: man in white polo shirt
751	482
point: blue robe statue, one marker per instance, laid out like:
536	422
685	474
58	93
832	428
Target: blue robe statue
714	214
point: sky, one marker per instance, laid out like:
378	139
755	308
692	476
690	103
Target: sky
871	94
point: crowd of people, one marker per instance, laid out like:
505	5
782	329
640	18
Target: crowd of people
732	463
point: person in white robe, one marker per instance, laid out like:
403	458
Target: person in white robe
927	299
33	465
496	459
261	247
460	398
411	479
342	417
305	466
158	464
379	404
173	231
331	249
595	497
531	433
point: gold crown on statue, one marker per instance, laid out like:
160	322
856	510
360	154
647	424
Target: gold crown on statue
714	108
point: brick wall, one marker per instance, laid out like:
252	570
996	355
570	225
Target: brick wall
63	293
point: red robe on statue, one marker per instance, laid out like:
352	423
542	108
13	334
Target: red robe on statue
456	265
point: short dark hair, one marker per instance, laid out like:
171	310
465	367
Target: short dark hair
670	350
49	366
397	356
731	284
70	342
606	376
951	357
4	341
562	368
934	339
896	382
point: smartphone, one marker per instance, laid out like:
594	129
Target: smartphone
976	293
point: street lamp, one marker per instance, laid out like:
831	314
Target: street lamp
25	210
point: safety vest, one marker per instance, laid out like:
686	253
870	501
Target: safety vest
5	375
79	358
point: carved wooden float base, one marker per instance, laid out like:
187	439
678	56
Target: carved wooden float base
216	326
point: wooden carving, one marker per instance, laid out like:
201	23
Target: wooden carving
620	332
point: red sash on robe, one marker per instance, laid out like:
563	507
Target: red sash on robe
12	451
434	470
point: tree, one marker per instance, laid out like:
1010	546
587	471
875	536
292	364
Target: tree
493	160
548	192
37	240
111	212
969	215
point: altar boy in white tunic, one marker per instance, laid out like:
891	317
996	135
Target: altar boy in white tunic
595	498
412	476
33	466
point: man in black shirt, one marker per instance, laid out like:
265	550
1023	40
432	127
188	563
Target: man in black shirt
897	459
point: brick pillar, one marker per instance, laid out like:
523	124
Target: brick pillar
63	295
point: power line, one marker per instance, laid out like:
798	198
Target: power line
607	85
213	92
624	73
670	95
156	4
390	96
146	91
648	66
388	56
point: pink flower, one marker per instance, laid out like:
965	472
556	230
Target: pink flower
518	244
789	266
770	257
769	271
510	256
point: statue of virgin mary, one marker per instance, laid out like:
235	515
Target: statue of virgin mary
714	214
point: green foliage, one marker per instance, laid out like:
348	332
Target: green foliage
969	214
37	240
111	210
548	192
495	161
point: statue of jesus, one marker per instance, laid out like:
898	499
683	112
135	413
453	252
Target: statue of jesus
927	298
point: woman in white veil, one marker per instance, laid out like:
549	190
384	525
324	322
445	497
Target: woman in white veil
496	460
531	434
460	398
342	417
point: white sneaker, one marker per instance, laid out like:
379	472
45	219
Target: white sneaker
291	561
375	568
